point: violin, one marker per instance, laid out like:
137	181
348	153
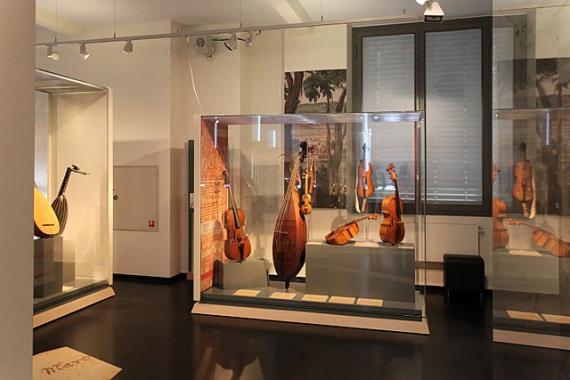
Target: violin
392	228
500	233
290	233
237	246
364	184
523	187
343	234
546	240
307	198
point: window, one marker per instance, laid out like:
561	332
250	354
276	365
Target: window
445	70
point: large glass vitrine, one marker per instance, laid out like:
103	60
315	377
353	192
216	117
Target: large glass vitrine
297	178
73	190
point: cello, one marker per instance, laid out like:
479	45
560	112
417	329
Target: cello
500	233
237	246
344	233
290	233
523	187
364	184
392	229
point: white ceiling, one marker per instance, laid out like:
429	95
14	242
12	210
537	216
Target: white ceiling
90	14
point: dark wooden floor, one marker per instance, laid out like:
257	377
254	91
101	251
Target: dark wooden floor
148	331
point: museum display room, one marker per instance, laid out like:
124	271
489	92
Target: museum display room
313	162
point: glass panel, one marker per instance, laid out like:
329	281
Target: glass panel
388	84
266	171
454	117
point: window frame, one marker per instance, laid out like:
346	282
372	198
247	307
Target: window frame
419	30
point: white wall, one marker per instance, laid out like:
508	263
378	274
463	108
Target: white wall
16	166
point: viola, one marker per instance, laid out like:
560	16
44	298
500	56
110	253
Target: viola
392	229
500	233
290	233
546	240
346	232
364	184
307	198
236	246
523	186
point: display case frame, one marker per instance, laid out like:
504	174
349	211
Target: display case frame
531	255
74	268
390	315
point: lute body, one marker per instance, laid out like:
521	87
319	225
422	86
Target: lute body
46	224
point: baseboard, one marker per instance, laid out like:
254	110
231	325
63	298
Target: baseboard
311	318
70	307
150	279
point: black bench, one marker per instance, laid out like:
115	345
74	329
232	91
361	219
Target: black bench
463	273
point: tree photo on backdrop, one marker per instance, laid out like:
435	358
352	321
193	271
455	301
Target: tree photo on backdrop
320	91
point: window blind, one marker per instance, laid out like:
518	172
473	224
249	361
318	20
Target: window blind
454	117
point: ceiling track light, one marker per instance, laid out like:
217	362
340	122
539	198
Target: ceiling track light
231	43
128	48
52	52
83	51
249	39
433	11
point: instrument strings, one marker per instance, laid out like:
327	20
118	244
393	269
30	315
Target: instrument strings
287	197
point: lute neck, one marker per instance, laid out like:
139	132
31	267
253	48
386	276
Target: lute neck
64	183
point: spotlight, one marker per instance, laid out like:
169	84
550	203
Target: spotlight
128	48
421	2
83	51
249	39
53	53
433	12
231	44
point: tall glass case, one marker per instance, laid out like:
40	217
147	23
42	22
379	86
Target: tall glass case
531	239
277	199
73	189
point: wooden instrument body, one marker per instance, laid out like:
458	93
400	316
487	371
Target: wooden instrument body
500	233
522	187
46	223
364	184
290	233
237	246
346	232
392	229
546	240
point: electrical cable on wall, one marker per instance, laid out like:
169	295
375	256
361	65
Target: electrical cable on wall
194	83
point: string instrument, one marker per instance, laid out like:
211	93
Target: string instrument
290	233
523	187
364	184
392	228
46	224
500	233
59	204
236	246
307	198
344	233
546	240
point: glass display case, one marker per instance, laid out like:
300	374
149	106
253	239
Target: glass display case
531	238
73	190
299	213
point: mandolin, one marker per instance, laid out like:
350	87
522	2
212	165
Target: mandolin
523	187
500	233
307	198
290	233
364	184
546	240
46	224
59	204
344	233
392	229
237	246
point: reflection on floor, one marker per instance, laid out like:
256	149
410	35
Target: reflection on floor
148	331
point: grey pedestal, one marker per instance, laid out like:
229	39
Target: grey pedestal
246	274
47	275
361	269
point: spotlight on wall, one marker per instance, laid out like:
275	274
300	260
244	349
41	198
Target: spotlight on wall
83	51
52	52
249	39
128	48
433	12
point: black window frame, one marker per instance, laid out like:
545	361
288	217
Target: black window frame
419	30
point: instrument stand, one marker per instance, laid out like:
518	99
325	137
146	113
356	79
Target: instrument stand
250	273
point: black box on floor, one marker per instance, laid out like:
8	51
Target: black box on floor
464	273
